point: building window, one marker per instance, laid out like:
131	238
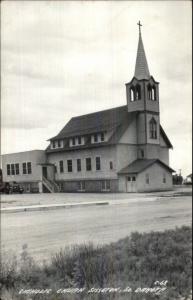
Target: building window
12	169
59	143
55	169
95	137
81	186
88	164
8	169
147	178
61	164
151	92
111	165
106	185
79	140
53	144
29	168
164	178
98	163
138	92
153	129
132	94
73	141
128	178
69	164
133	178
78	164
24	168
102	137
17	169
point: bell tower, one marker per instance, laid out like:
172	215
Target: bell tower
143	97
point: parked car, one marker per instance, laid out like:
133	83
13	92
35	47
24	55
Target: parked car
14	187
4	187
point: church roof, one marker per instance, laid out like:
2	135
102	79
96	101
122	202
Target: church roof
140	165
116	119
94	122
141	66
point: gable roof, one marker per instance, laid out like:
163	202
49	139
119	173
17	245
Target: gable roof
94	122
140	165
116	119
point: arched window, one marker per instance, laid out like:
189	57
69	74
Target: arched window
138	92
153	93
132	94
153	129
149	92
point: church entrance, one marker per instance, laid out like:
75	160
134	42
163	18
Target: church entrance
131	184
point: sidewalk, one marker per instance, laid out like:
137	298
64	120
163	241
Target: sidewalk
49	206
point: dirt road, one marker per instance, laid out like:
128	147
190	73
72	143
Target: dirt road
46	232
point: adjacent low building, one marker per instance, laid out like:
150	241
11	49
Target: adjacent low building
122	149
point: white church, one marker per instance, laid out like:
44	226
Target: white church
122	149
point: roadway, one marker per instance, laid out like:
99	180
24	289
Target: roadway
45	232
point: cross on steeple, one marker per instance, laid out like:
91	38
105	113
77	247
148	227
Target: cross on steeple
139	24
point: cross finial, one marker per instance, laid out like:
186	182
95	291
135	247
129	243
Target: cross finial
139	24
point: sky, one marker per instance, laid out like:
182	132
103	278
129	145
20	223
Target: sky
61	59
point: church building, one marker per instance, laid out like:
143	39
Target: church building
122	149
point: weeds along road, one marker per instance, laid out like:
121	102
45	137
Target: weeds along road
45	232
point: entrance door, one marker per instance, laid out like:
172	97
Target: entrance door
131	184
44	171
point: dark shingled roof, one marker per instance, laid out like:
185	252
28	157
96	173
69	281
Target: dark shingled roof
116	119
94	122
141	164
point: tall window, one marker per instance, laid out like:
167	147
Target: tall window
151	92
59	143
98	163
88	164
111	165
153	129
73	141
29	167
12	169
102	137
79	140
69	164
78	164
61	164
17	169
132	94
8	169
138	92
24	168
95	137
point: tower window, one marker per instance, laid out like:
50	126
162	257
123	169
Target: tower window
147	178
132	94
151	92
138	92
153	129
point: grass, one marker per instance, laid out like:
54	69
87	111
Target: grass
136	261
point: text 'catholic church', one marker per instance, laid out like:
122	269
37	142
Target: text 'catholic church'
123	149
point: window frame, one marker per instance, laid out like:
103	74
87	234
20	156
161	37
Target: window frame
98	163
153	129
88	164
8	169
61	166
78	165
69	166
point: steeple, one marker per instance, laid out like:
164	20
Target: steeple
141	66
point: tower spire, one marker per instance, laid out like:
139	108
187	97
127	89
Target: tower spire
141	66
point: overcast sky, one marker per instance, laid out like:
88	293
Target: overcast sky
61	59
